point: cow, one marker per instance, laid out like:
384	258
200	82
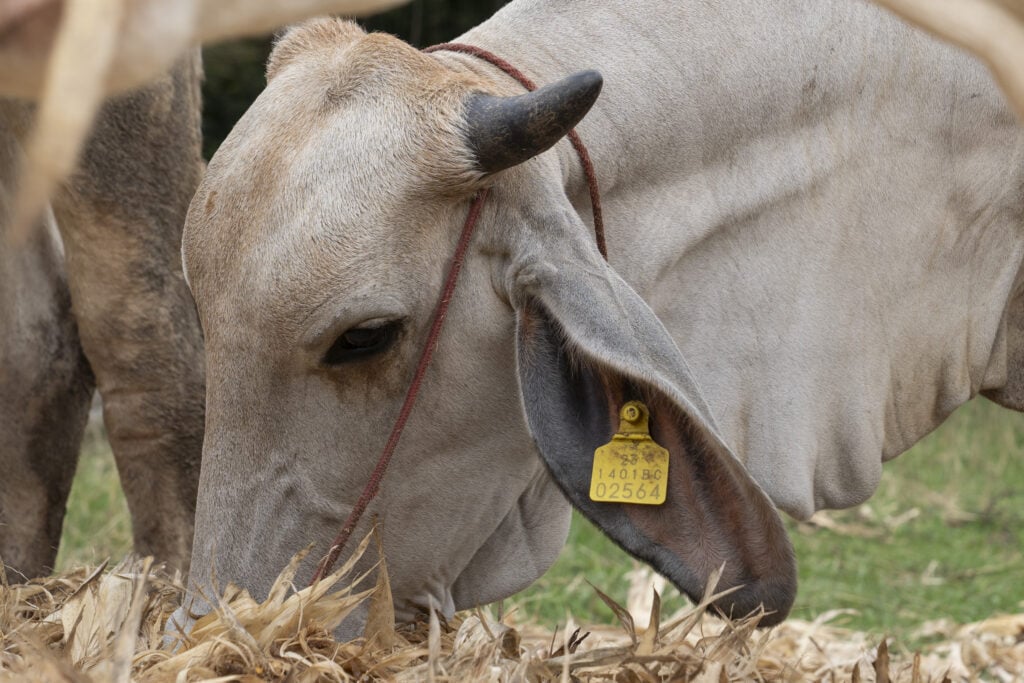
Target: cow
813	219
95	298
93	295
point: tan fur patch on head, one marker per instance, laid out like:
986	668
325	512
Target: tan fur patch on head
331	63
319	33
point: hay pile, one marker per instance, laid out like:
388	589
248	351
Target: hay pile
107	626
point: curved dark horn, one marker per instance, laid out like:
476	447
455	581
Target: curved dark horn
505	131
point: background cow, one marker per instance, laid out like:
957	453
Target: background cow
103	301
819	204
69	54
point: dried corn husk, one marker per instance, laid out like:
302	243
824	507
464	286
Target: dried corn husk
89	625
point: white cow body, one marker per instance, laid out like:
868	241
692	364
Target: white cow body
828	224
813	198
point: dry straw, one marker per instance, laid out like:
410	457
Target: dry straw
99	625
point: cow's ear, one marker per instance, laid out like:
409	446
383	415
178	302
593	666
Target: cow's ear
586	345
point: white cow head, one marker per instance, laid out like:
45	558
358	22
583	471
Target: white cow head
316	249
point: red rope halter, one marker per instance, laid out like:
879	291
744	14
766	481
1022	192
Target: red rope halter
441	310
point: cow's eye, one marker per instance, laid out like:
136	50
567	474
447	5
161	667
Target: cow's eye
359	342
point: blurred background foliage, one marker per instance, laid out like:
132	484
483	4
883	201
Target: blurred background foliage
234	70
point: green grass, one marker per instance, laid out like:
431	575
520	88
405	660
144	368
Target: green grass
942	538
97	525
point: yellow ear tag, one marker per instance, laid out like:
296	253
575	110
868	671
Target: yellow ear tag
631	468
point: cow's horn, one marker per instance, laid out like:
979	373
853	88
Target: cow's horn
505	131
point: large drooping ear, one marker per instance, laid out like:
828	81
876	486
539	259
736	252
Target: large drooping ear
587	344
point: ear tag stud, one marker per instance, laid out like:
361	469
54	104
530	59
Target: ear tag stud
631	468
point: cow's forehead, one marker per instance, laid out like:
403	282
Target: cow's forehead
341	161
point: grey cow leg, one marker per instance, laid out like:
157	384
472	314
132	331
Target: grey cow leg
45	382
121	218
45	388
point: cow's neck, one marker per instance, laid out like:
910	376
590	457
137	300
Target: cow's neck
685	82
822	205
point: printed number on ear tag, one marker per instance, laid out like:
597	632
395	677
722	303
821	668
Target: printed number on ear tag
631	468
